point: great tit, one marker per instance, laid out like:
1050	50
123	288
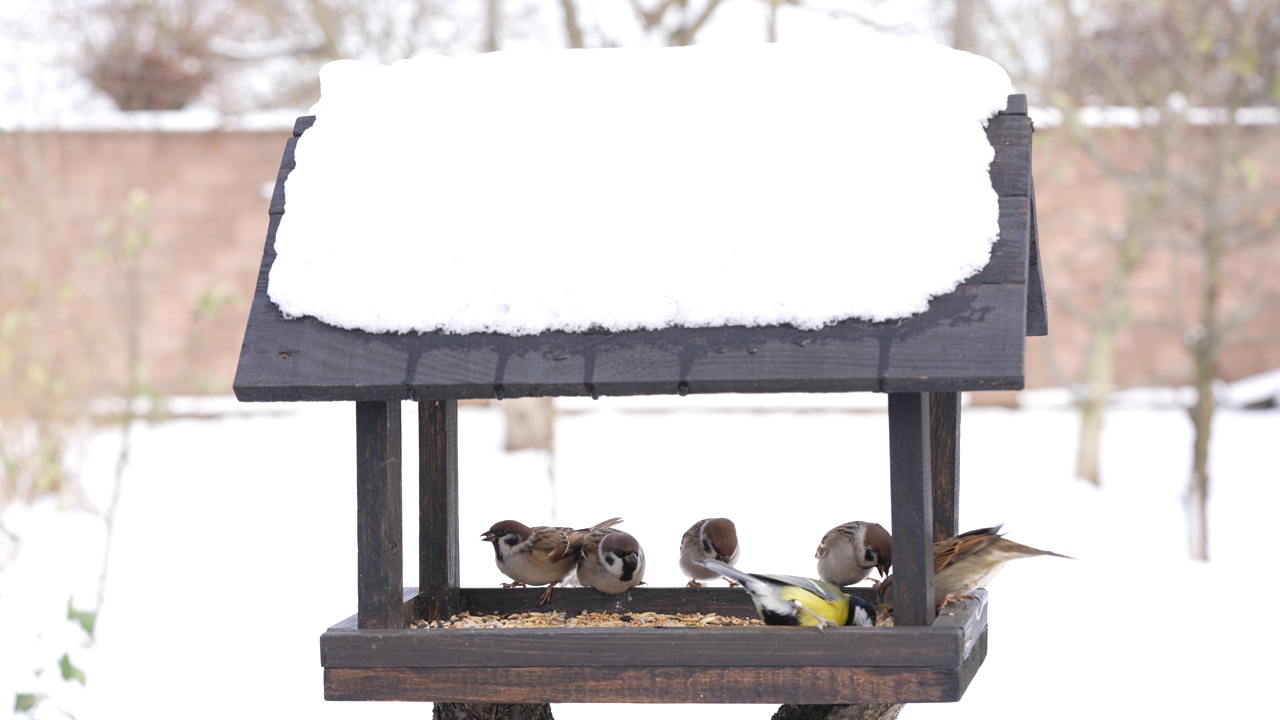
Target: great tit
791	600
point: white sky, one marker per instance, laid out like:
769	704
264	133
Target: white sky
523	191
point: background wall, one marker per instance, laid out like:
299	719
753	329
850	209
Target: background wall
66	196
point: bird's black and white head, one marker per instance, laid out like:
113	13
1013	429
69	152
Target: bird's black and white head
861	612
621	553
719	538
505	535
877	548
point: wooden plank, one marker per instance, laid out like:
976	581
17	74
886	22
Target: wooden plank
971	339
944	460
911	495
1037	305
1008	262
732	602
808	685
729	601
642	647
379	534
1010	136
655	664
438	529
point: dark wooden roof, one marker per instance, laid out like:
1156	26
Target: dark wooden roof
970	339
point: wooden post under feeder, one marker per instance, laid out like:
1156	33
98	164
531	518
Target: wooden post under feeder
971	339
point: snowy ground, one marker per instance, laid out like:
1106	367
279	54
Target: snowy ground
235	548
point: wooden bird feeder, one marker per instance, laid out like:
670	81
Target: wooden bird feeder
971	339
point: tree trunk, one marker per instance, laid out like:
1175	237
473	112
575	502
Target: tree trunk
964	26
531	423
1205	350
490	711
871	711
1094	395
572	29
492	24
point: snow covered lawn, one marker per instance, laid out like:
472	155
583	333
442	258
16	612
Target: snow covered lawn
235	547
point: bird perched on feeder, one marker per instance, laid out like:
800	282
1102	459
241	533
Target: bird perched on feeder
541	555
610	561
791	600
966	562
849	552
709	538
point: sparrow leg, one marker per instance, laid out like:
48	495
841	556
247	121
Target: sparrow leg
514	585
957	595
694	584
546	595
732	583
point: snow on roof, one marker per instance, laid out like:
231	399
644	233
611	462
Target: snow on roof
523	191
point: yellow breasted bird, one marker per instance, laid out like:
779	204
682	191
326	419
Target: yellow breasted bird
791	600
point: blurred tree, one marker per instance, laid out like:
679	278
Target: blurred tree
677	22
247	54
1182	76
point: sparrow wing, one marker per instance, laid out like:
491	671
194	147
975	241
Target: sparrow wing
950	551
553	542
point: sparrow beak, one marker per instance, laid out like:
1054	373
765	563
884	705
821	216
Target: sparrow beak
488	537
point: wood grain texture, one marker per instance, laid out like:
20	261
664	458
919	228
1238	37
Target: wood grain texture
808	685
438	531
1037	305
379	531
732	602
971	339
643	647
646	664
911	497
944	461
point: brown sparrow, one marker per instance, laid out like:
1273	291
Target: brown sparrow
610	561
849	552
542	555
708	539
966	562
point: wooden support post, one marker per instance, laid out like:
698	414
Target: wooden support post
944	417
911	494
378	516
438	581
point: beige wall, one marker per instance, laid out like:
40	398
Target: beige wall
209	217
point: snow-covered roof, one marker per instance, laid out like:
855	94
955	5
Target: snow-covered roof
517	192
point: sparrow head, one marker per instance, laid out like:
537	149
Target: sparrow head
877	548
621	552
720	539
509	531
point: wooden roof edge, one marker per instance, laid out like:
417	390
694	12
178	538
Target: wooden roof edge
302	359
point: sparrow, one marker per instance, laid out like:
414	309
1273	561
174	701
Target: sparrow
542	555
610	561
790	600
966	562
849	552
708	538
